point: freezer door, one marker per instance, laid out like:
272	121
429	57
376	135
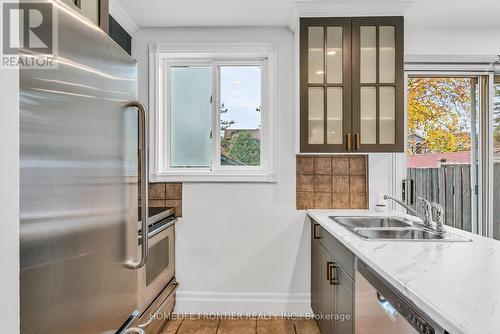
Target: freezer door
78	186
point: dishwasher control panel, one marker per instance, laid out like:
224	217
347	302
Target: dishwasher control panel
414	319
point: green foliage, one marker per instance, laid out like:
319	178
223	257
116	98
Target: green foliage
439	111
496	114
245	149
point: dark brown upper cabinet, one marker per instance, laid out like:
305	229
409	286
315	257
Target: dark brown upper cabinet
351	85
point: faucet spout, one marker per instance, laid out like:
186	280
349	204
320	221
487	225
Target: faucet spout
407	207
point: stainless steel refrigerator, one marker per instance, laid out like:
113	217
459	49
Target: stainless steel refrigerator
79	141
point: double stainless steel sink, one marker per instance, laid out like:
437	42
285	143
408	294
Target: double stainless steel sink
392	228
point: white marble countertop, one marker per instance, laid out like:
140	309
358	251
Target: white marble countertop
456	283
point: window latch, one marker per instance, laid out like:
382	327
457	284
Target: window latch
210	134
211	98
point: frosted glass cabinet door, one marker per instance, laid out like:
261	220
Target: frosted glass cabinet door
368	54
316	115
368	115
378	84
334	54
387	54
316	54
387	119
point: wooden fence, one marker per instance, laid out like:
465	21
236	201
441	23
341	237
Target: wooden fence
450	186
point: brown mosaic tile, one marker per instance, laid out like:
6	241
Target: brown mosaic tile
332	182
322	183
156	203
340	165
340	184
173	191
357	184
305	165
157	191
357	165
305	183
322	200
358	201
340	200
305	200
322	165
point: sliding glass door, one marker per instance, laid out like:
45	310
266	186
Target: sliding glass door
444	118
496	159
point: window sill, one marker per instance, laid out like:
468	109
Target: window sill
208	177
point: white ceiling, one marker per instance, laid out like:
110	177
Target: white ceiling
187	13
170	13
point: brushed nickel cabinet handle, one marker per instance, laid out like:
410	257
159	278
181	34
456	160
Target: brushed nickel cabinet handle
348	139
331	273
357	138
316	234
143	142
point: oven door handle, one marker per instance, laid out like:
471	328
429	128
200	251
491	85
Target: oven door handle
144	170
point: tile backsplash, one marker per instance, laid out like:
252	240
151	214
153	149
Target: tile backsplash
332	182
166	194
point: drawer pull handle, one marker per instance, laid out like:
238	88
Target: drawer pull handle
316	234
331	273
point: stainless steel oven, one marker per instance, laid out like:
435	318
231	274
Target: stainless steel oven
380	310
156	281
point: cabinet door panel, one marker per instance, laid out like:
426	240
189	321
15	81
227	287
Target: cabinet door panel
387	54
377	84
325	84
316	42
368	54
315	267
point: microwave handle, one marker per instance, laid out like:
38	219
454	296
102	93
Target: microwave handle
144	169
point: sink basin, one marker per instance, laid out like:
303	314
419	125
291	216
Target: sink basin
391	228
358	222
399	233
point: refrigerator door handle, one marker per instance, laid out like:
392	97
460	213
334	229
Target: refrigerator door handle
144	171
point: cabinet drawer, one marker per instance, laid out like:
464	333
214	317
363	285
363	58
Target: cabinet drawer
340	253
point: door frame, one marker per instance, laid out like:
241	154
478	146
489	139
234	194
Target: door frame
482	221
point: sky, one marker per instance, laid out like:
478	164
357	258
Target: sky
241	95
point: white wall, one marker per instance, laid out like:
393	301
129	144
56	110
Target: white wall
9	201
242	247
451	40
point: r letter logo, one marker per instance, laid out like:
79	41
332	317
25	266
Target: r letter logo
28	34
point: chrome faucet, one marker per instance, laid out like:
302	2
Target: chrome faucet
439	216
426	217
427	211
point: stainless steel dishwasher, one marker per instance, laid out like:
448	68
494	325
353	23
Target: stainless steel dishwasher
380	310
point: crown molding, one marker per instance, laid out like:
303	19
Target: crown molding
346	8
121	16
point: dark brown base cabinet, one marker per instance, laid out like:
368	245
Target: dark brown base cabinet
332	284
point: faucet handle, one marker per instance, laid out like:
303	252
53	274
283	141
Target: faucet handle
423	200
427	210
439	216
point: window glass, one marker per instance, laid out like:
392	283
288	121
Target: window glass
442	144
496	160
190	116
240	115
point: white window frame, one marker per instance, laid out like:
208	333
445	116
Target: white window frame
163	55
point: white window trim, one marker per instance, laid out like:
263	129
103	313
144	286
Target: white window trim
161	54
